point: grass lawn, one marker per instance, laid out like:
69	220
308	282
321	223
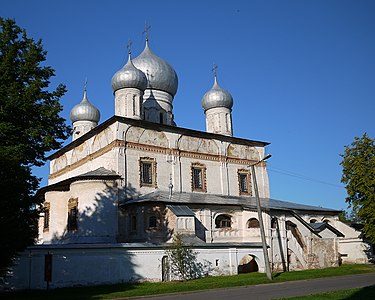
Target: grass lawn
148	288
367	293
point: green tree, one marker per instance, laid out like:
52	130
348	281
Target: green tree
359	177
182	260
30	126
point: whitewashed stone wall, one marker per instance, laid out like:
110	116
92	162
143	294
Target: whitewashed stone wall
77	265
97	213
120	146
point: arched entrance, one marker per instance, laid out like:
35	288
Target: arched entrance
165	269
247	264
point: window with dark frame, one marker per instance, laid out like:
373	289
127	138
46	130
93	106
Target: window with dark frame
147	170
133	223
223	221
46	217
253	223
72	219
198	177
161	118
244	182
152	222
72	214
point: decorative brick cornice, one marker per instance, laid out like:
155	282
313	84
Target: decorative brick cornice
147	148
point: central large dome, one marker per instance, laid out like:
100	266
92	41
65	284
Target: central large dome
160	74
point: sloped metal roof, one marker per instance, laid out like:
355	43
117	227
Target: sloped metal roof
181	211
320	226
249	202
64	185
99	172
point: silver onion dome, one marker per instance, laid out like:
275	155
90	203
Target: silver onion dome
129	77
217	97
85	111
160	74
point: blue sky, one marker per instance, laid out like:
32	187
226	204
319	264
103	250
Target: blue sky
301	73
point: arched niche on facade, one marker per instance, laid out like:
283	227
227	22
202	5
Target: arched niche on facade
80	152
200	145
102	139
223	221
242	152
59	163
147	137
253	223
153	218
248	264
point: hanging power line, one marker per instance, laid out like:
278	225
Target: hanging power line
302	177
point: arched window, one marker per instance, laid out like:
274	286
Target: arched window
253	223
223	221
313	221
152	222
274	222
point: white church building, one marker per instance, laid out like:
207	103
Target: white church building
120	190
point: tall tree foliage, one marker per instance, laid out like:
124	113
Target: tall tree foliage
30	126
359	177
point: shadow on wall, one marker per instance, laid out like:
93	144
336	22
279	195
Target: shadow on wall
84	254
96	222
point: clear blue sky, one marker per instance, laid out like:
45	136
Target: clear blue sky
302	73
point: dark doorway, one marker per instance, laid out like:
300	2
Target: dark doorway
248	265
165	269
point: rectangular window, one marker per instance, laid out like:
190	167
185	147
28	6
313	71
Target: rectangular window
46	216
198	177
147	172
72	214
133	223
244	182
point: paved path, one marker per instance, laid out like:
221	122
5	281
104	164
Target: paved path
277	290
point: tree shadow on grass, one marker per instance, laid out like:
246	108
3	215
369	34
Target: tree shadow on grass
365	293
73	293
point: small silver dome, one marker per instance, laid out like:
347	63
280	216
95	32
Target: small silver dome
85	111
129	77
160	74
217	97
